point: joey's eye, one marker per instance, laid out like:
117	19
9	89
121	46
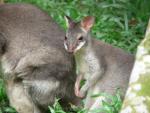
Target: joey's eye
65	38
81	38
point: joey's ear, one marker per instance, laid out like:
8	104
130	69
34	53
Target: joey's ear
87	23
69	22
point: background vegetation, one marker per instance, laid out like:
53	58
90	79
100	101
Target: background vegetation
121	23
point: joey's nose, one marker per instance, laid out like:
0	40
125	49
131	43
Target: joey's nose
71	49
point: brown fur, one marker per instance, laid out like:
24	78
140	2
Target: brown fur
36	67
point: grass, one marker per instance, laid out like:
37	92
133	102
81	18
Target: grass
4	105
121	23
112	104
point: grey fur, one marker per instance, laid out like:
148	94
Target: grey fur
36	67
104	67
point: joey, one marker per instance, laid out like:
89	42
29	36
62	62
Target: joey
104	67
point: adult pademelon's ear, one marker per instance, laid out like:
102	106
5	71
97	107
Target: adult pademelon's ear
69	22
87	23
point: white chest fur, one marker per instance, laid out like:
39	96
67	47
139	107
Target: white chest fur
87	62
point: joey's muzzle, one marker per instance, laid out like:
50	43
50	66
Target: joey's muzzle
71	49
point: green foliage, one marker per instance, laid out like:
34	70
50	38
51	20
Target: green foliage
56	108
119	22
2	91
4	108
111	104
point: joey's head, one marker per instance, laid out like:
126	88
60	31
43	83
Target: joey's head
77	33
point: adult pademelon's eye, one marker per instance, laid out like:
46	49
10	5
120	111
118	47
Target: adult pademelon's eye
80	38
65	38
